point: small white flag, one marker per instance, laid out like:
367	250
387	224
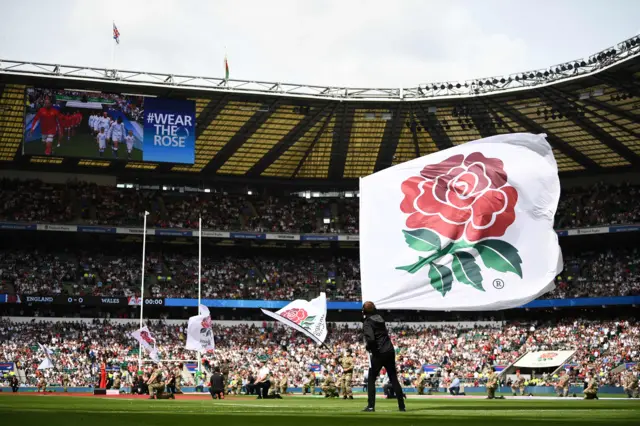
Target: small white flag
199	332
467	228
309	318
143	336
47	362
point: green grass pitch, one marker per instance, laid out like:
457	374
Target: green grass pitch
82	145
310	411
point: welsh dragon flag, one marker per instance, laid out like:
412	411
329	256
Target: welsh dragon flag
467	228
309	318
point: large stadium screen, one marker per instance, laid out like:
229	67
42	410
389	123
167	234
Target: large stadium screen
110	126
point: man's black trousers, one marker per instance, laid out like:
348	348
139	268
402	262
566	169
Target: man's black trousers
388	361
263	388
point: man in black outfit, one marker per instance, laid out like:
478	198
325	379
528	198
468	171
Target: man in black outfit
216	385
381	354
13	382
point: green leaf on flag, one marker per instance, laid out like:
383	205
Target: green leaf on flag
467	270
415	267
422	239
500	255
441	278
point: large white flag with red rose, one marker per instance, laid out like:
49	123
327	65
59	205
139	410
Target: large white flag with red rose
467	228
306	317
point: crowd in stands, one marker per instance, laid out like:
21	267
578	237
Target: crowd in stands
80	202
260	274
469	353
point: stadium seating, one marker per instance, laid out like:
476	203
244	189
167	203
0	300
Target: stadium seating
601	346
79	202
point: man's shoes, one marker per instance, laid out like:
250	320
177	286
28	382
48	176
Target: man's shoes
173	396
350	396
259	397
344	397
368	410
402	409
327	396
151	397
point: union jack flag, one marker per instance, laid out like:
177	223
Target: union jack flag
116	33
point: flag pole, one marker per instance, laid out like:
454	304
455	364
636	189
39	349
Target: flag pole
199	280
113	49
144	246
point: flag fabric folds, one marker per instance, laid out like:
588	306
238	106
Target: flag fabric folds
309	318
226	68
47	362
199	332
143	336
116	33
467	228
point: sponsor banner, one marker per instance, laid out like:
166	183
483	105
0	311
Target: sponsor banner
584	301
348	237
544	359
97	229
173	233
148	301
588	231
248	236
624	228
3	298
169	130
6	366
283	237
252	304
212	234
60	228
318	237
18	226
134	231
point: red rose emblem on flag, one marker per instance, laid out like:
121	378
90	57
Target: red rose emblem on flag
296	315
467	201
461	197
146	337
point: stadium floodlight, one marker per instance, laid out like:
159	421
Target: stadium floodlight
326	220
249	192
207	190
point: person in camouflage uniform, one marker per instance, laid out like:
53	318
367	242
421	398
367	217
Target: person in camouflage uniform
329	386
283	384
591	391
492	385
238	388
518	384
309	385
347	375
177	374
630	384
156	385
224	369
562	388
421	383
65	382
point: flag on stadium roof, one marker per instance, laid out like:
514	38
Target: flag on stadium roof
226	68
116	33
467	228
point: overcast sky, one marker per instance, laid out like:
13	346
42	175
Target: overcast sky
374	43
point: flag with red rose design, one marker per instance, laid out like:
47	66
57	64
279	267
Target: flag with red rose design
307	317
467	228
199	333
143	336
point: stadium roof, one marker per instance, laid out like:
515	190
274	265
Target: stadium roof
261	131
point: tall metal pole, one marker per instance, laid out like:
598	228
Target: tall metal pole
144	247
199	280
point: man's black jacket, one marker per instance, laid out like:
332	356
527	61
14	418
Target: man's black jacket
217	382
376	336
